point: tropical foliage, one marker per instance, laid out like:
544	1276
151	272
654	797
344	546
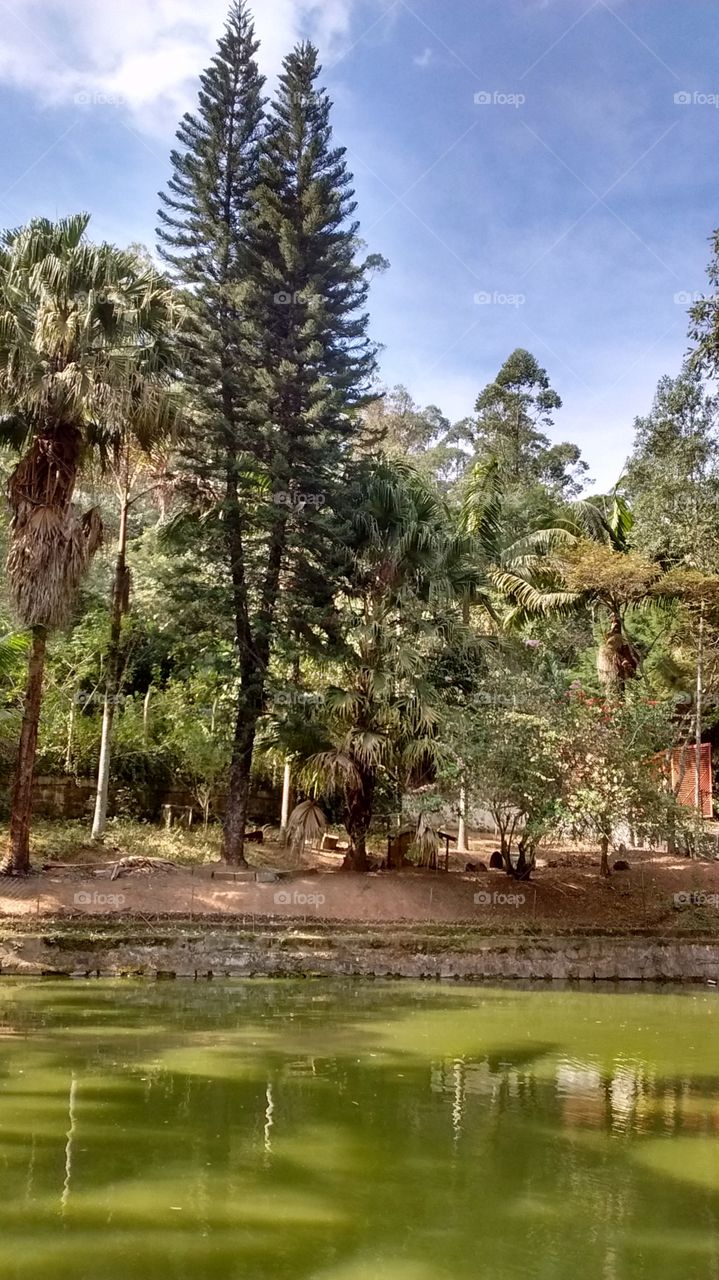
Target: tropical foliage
235	560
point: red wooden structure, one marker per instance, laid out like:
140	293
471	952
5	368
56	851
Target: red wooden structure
684	774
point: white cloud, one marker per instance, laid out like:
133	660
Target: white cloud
424	58
146	55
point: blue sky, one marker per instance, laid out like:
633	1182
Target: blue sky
524	165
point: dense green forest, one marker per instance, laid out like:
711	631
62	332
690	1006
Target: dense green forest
234	557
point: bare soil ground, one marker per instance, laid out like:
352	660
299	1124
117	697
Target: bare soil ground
660	893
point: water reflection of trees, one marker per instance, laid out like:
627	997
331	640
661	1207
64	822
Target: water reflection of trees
629	1099
623	1105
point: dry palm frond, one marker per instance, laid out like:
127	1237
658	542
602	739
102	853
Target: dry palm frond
427	839
85	358
306	822
48	557
45	476
12	648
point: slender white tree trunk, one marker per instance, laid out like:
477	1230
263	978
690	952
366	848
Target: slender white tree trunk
102	792
462	833
112	683
699	709
70	731
146	716
286	781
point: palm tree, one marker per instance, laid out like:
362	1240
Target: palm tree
75	322
409	569
579	561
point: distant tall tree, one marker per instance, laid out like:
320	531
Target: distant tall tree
672	478
512	415
704	319
268	249
395	424
673	482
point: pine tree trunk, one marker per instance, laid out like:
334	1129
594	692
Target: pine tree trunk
238	792
112	681
17	858
252	669
254	646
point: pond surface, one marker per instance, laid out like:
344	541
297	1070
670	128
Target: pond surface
357	1131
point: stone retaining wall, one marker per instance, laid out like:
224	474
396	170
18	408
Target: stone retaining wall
225	952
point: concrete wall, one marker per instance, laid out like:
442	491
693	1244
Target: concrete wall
67	797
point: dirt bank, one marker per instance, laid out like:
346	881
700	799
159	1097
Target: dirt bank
660	893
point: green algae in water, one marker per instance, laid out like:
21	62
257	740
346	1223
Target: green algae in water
357	1131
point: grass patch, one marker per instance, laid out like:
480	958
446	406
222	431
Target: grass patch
69	841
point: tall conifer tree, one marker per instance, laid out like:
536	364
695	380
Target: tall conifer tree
268	246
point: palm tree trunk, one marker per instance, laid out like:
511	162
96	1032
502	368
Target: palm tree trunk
112	682
17	858
617	660
355	858
359	816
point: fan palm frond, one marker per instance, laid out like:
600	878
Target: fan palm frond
12	648
330	771
306	824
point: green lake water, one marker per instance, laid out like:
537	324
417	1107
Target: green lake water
357	1131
